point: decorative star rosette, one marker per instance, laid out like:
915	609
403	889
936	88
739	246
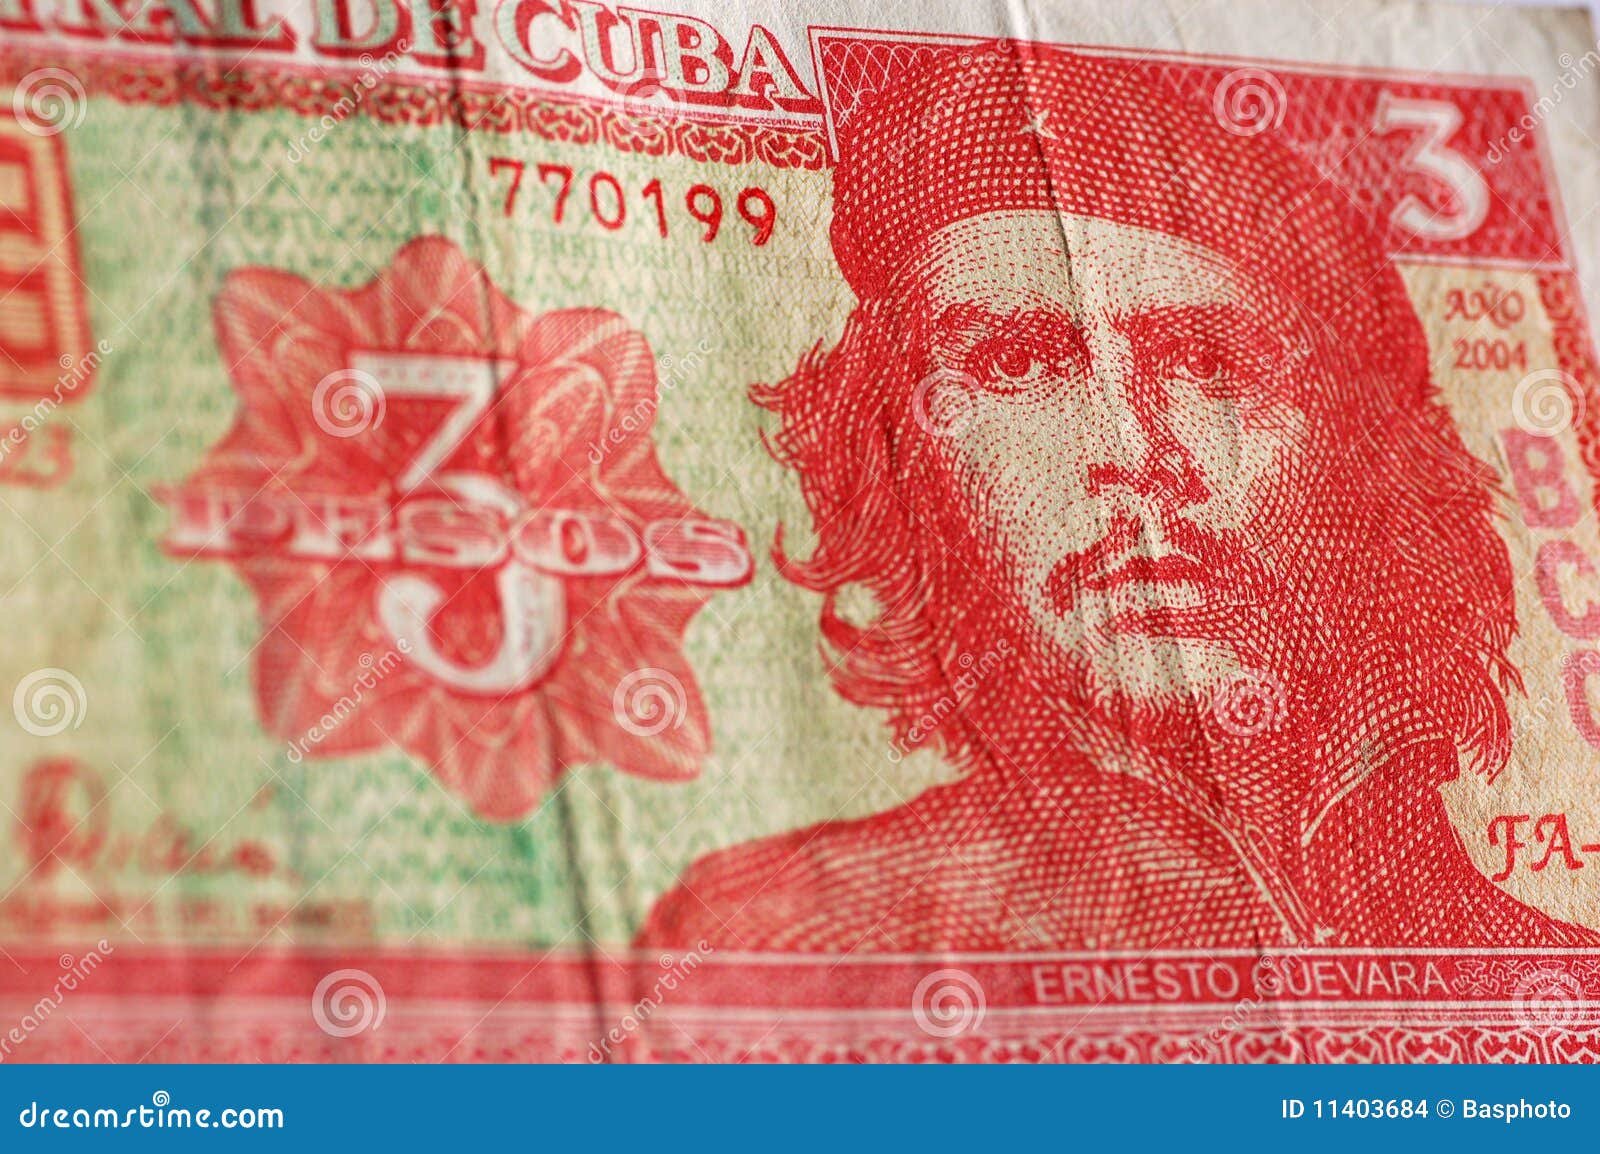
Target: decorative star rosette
454	521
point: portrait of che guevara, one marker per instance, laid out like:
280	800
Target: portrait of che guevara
1142	404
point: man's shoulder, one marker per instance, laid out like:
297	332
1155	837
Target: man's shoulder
967	865
807	889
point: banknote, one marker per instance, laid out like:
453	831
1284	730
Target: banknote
548	530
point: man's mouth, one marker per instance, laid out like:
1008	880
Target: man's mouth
1170	569
1151	592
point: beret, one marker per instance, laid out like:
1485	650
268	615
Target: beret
1021	127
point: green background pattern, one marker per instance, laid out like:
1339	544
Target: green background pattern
169	200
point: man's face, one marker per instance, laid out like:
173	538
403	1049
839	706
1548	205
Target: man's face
1121	415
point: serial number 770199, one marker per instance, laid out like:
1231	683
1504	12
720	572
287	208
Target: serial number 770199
608	200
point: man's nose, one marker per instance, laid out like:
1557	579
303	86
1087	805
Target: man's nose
1138	451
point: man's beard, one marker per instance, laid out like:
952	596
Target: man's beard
1248	630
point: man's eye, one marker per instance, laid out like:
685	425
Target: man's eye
1215	373
1197	365
1009	364
1015	360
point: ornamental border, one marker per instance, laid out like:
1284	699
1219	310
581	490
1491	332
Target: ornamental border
418	102
285	1030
